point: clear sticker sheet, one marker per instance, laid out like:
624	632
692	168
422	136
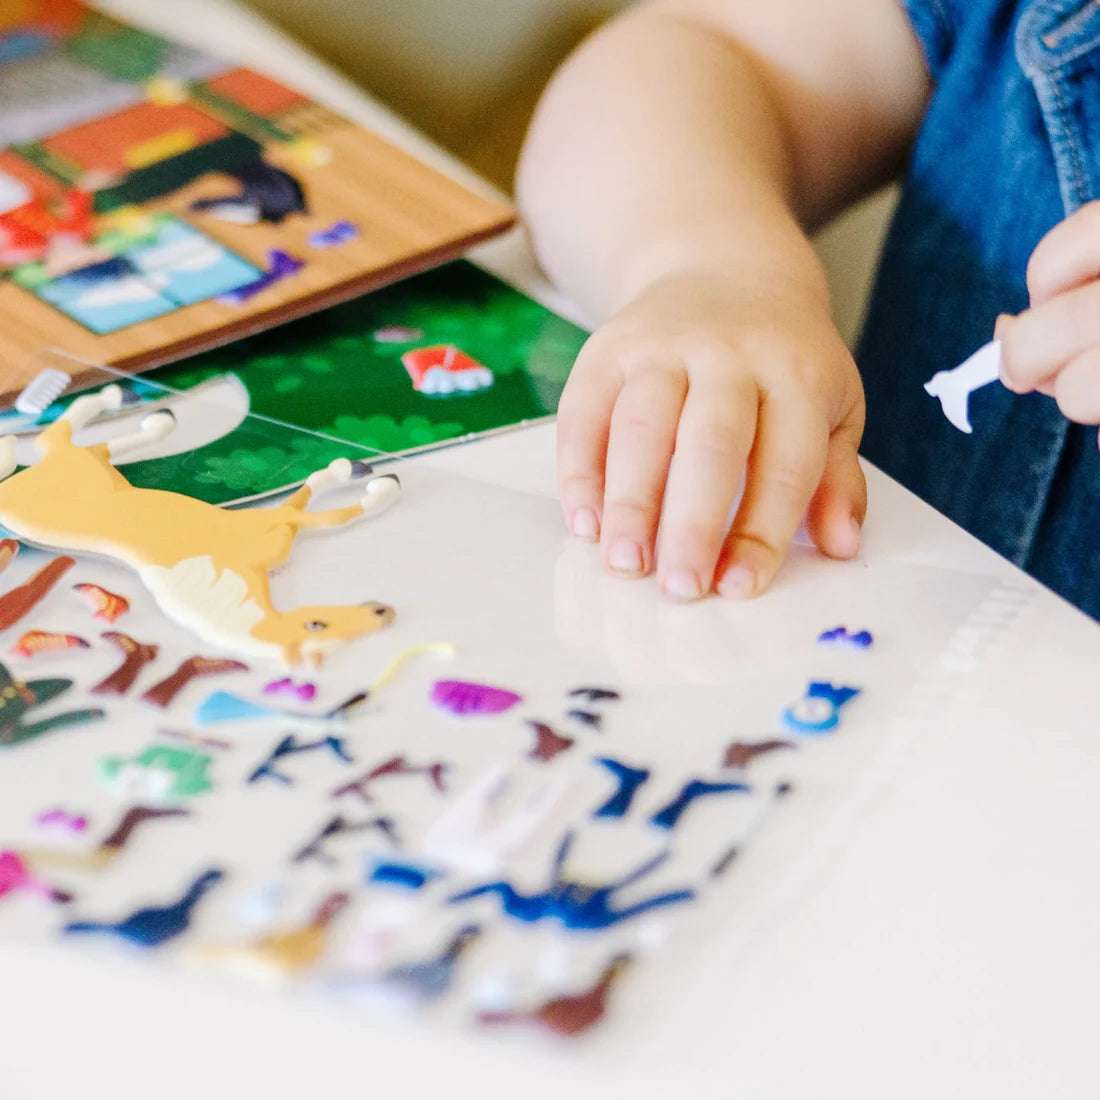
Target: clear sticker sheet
501	810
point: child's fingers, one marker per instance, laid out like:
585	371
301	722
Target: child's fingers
584	418
643	432
1039	342
1077	388
835	516
1067	257
712	447
784	469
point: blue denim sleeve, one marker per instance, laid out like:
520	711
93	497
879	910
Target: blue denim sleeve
935	22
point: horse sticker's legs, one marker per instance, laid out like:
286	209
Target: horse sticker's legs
78	415
334	517
154	428
381	493
85	409
335	475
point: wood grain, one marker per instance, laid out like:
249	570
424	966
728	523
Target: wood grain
411	217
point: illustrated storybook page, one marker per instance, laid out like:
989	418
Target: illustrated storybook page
429	361
470	783
155	201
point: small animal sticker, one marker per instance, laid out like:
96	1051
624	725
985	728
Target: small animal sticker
818	711
290	746
223	706
135	656
669	816
35	642
108	606
842	636
159	774
153	926
108	849
340	826
595	694
19	700
587	718
15	603
335	235
548	743
570	1014
577	905
281	954
402	874
62	819
463	698
396	765
304	692
740	754
15	875
163	693
410	986
628	781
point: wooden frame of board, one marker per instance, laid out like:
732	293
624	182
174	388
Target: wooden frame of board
155	201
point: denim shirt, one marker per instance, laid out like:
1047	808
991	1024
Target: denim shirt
1010	145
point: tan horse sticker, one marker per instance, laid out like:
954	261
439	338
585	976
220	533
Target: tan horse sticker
207	567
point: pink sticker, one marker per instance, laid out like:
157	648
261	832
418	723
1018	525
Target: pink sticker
463	697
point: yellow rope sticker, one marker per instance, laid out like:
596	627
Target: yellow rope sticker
441	649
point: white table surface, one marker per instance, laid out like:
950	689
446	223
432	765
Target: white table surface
945	942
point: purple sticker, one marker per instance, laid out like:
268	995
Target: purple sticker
463	697
336	234
280	265
306	692
62	819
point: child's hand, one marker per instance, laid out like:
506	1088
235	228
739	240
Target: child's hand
740	383
1054	347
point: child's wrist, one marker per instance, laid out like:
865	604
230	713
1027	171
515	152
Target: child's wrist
796	278
770	256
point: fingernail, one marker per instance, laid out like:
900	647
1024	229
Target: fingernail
682	585
625	556
737	583
585	524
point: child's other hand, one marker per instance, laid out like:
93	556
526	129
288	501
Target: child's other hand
1054	347
740	383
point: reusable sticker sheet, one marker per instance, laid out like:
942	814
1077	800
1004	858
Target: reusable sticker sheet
523	806
155	200
350	380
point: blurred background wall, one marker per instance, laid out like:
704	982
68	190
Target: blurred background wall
468	73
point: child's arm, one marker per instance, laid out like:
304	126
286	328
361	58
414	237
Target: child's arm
1054	347
667	177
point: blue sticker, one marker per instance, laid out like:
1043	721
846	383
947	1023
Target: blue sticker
841	636
818	711
576	905
669	816
629	780
407	876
